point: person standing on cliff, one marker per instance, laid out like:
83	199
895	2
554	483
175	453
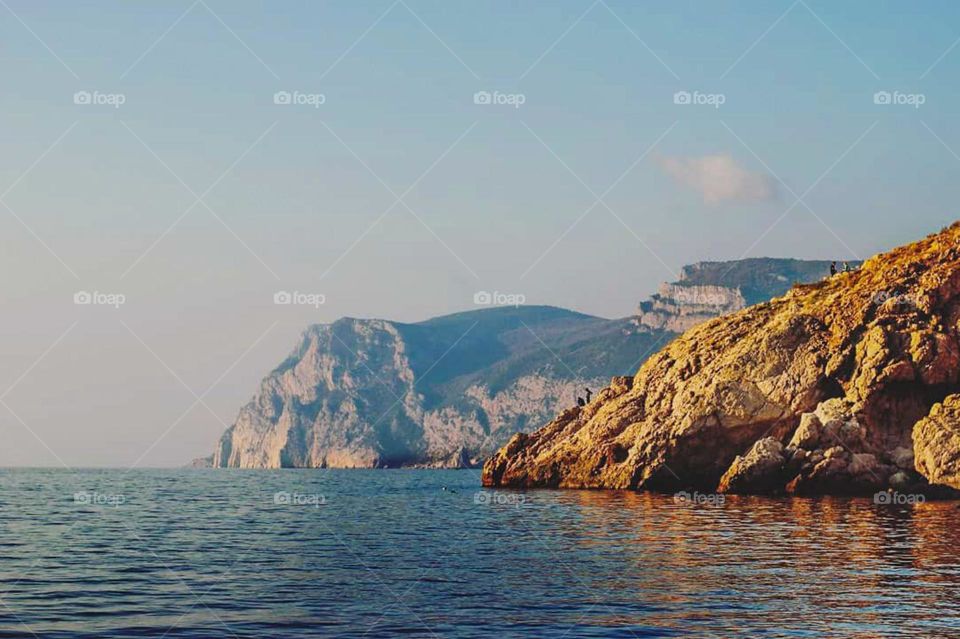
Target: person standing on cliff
833	269
846	267
589	393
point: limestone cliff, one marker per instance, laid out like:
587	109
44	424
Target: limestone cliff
845	385
709	289
440	393
677	308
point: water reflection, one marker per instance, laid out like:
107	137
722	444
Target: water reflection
429	554
846	566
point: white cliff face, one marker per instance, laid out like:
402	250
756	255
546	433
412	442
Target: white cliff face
710	289
677	308
361	394
326	405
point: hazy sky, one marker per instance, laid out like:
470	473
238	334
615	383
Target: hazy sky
144	154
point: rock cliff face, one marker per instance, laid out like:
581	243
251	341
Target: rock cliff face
847	385
443	393
677	308
710	289
440	393
758	278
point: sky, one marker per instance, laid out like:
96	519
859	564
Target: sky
169	169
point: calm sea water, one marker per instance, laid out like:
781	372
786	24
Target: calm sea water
201	553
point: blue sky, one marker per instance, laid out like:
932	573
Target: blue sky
401	197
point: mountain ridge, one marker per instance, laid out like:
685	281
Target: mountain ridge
372	393
375	392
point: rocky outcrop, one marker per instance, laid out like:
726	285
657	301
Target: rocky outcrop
830	451
759	470
936	444
201	462
826	389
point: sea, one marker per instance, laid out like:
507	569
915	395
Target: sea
203	553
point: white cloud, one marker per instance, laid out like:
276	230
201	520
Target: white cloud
718	178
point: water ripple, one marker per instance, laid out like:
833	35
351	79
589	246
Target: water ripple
209	554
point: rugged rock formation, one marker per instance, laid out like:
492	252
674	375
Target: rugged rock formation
710	289
827	389
365	393
936	443
441	393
